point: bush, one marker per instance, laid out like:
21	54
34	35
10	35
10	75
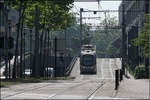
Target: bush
129	68
140	72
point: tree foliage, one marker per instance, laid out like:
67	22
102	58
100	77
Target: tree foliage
54	14
104	38
143	39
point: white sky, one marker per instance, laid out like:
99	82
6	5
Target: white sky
104	5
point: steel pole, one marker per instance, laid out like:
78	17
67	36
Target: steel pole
30	50
9	70
81	10
24	55
6	42
55	67
35	70
147	60
123	40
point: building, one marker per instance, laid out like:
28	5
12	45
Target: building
8	21
2	30
134	11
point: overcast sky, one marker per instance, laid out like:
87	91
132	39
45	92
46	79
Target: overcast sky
104	5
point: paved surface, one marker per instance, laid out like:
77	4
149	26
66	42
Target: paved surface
100	86
134	88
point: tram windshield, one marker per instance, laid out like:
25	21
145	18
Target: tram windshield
88	60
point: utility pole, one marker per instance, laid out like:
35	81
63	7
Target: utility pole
65	54
147	60
1	8
55	67
149	43
24	52
6	41
48	52
149	55
21	50
105	30
123	39
81	10
35	69
30	49
9	70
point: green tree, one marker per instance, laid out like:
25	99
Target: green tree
143	39
104	38
54	14
20	6
112	51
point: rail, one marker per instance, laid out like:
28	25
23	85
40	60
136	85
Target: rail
27	52
70	67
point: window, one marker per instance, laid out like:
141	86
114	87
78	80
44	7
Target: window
88	60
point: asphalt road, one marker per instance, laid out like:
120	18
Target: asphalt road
99	86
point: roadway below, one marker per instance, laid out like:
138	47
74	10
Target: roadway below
99	86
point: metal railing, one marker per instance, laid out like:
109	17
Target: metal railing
70	67
27	52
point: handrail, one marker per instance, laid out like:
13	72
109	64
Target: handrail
27	52
70	67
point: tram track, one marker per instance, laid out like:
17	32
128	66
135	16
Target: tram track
85	87
24	90
92	94
92	90
67	89
89	95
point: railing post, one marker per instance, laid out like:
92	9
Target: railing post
121	75
116	79
55	67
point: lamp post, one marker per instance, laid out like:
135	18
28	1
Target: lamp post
9	26
81	10
2	31
5	41
123	39
24	49
55	67
149	54
147	60
1	27
30	49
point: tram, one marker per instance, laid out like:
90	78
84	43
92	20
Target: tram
88	59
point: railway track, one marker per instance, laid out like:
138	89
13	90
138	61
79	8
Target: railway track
40	87
67	89
85	87
92	94
88	96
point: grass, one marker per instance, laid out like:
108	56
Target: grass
129	69
4	84
61	78
9	82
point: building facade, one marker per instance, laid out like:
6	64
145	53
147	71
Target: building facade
8	21
134	11
2	29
